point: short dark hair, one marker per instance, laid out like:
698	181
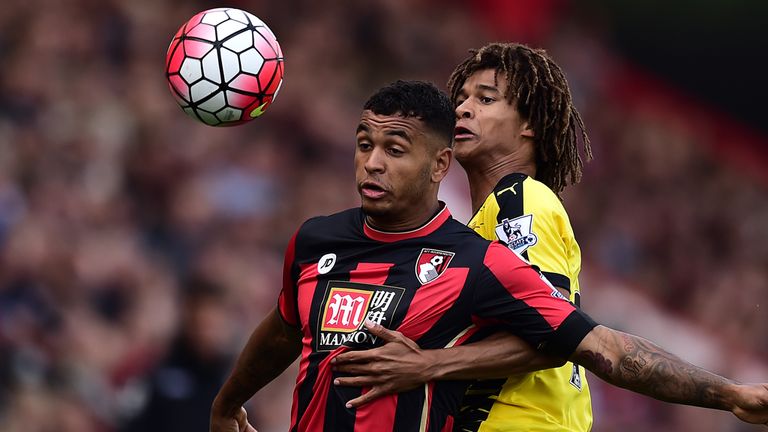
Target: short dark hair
418	99
538	88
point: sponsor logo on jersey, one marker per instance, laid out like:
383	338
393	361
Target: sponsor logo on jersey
326	263
346	306
431	263
517	233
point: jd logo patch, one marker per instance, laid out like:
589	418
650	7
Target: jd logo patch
431	263
326	263
517	233
346	305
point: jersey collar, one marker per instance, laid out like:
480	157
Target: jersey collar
424	230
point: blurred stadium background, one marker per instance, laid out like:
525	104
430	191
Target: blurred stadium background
139	248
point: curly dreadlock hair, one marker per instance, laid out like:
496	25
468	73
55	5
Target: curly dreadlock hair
537	85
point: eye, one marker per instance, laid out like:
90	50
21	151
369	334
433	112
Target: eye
364	146
394	151
486	100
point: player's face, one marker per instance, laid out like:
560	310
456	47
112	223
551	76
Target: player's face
399	164
488	128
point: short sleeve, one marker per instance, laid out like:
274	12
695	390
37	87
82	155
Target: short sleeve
510	293
551	229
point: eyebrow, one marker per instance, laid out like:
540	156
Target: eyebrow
399	133
481	87
362	127
487	87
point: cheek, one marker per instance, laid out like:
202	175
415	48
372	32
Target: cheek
359	164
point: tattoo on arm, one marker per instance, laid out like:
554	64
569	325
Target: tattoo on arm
645	368
600	365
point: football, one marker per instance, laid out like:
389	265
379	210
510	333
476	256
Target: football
224	67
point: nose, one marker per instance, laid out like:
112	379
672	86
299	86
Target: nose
374	163
463	110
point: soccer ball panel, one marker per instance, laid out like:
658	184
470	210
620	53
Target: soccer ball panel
196	49
254	20
174	43
265	48
175	60
270	39
195	20
239	100
251	61
181	88
191	70
228	28
237	15
215	103
202	90
203	31
230	64
246	83
267	75
277	90
229	114
208	118
215	17
211	66
240	42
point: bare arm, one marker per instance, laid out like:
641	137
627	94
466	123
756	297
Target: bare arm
400	364
498	356
637	364
272	347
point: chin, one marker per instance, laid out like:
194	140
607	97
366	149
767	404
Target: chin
376	210
463	149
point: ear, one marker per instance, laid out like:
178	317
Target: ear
527	131
442	163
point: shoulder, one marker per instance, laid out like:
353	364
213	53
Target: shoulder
517	195
539	198
324	229
537	194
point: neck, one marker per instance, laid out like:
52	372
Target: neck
399	223
482	180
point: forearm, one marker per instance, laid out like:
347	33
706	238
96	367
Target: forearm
498	356
637	364
271	348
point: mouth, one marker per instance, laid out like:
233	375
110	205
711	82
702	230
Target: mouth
461	133
372	190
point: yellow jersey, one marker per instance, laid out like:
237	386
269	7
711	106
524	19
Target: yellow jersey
531	220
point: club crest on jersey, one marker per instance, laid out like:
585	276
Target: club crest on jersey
517	233
431	263
346	305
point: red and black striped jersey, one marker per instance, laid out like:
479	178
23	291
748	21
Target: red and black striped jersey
438	285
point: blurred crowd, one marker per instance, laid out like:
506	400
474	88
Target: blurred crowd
138	248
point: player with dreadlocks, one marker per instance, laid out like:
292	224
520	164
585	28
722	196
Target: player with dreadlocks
517	136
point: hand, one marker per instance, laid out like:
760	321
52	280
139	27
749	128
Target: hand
398	366
236	423
751	403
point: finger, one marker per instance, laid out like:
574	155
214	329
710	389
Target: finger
355	369
250	428
354	357
364	399
382	332
364	381
242	420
